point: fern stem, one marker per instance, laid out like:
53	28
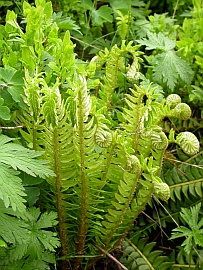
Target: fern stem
121	216
108	163
160	161
59	201
34	136
83	206
139	209
184	266
186	183
137	131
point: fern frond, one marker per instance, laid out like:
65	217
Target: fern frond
113	221
186	180
129	199
112	59
123	22
140	254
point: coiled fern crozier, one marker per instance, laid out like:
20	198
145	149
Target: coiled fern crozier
104	175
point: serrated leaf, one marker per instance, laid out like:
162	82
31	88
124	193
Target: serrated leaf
120	5
15	228
11	191
18	157
32	195
38	239
168	68
47	220
194	234
157	41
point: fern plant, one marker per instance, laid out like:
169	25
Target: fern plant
104	174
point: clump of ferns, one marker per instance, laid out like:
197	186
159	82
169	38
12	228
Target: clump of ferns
104	177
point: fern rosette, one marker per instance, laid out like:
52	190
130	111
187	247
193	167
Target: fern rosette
188	143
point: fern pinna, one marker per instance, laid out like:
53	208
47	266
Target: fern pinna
104	176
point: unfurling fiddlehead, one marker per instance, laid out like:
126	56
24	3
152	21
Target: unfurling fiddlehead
103	138
161	191
159	140
133	164
173	100
188	142
182	111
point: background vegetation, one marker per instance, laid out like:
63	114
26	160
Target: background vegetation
101	106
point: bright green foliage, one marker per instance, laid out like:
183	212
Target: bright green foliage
38	238
194	234
13	157
100	15
24	264
22	232
167	66
103	177
123	22
114	63
105	172
156	23
191	47
158	41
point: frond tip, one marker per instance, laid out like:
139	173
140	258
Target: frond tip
159	140
133	164
173	100
188	142
162	191
182	111
103	138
